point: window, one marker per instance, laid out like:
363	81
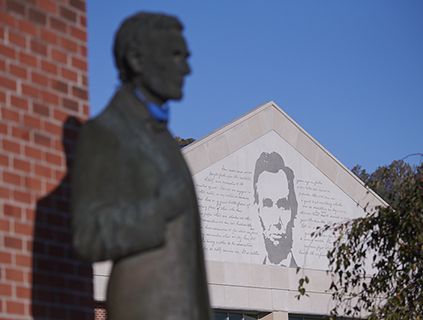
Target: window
310	317
236	315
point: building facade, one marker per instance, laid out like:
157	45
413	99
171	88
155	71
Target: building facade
43	100
264	185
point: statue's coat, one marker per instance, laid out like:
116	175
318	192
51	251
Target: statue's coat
123	158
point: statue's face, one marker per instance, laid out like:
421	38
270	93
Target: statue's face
165	65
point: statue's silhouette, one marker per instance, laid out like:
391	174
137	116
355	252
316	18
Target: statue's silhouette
133	197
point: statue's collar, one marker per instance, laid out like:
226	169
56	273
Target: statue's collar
137	109
159	113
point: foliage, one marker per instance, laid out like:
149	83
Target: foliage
183	142
391	240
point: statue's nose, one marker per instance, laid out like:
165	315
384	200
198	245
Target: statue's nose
185	68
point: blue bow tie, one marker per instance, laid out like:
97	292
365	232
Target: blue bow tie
159	113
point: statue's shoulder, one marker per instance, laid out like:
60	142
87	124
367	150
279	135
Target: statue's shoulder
109	120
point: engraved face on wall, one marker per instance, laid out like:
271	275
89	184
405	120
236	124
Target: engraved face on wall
274	196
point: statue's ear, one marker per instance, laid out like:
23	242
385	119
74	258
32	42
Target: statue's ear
135	60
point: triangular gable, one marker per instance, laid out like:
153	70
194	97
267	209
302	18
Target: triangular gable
223	165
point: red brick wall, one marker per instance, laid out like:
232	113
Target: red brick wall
43	99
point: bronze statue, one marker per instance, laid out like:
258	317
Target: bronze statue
133	198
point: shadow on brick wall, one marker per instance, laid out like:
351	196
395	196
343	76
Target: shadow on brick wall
62	286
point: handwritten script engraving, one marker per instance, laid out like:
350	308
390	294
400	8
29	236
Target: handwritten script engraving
224	197
318	206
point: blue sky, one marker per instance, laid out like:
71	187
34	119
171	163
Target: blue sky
350	72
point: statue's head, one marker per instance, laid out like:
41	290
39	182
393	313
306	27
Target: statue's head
151	53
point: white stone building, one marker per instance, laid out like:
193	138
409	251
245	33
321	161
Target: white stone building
264	185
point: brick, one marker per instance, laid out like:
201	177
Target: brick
68	44
17	39
2	97
8	114
37	16
28	27
78	4
52	128
5	258
38	47
79	34
69	74
12	242
4	160
68	14
85	80
8	19
29	274
20	196
7	51
42	139
48	67
5	290
28	59
33	183
43	171
23	229
30	214
79	63
55	251
7	83
4	225
23	293
60	86
70	104
47	5
50	97
15	307
83	21
21	165
59	115
12	211
15	7
4	128
82	49
30	91
18	102
79	92
40	109
18	71
39	78
11	146
20	132
5	193
59	175
57	24
49	36
33	153
32	122
2	65
59	56
54	159
14	179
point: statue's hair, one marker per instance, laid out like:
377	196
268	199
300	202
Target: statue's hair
134	31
